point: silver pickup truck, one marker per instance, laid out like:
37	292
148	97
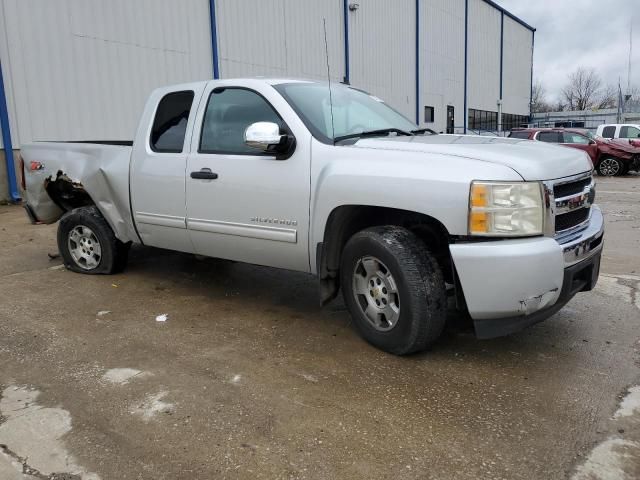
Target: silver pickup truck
332	181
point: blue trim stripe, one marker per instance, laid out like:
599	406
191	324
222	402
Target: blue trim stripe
417	62
501	51
346	40
214	38
466	38
14	193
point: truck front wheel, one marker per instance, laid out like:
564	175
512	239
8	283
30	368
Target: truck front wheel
87	243
394	289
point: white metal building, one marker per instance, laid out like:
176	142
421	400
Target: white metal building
82	69
589	119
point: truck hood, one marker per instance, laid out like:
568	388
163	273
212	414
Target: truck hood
623	144
530	159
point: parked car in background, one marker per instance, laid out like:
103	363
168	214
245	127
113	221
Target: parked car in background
609	157
619	130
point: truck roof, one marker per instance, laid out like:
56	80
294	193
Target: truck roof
266	80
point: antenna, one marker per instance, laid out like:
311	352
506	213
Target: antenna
326	54
630	49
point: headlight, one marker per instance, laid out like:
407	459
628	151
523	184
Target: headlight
505	209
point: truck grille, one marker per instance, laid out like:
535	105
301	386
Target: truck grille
573	202
566	189
571	219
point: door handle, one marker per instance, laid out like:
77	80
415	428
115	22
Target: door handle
204	174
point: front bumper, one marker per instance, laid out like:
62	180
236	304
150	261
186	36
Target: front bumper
510	284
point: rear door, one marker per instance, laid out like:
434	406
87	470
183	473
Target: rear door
159	161
629	131
253	207
549	136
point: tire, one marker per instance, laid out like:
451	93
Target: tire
412	318
625	170
610	167
88	245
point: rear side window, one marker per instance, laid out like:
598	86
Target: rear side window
524	135
170	124
629	132
609	132
229	112
570	137
551	137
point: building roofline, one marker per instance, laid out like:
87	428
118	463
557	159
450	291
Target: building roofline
510	15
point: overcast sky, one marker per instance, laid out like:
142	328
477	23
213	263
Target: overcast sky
575	33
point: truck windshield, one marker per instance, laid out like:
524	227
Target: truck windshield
593	136
354	111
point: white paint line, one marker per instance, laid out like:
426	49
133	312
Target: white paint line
121	376
35	433
609	285
630	403
608	460
153	405
309	378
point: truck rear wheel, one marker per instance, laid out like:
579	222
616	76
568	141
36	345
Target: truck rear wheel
394	289
87	243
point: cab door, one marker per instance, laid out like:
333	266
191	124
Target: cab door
244	204
159	159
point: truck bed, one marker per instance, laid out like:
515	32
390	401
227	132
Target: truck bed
59	175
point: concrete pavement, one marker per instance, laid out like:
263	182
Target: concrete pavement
249	378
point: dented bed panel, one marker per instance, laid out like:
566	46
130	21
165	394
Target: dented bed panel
102	171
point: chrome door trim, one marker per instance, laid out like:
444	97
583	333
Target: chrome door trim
277	234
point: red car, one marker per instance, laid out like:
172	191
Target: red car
609	157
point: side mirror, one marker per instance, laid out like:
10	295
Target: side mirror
263	136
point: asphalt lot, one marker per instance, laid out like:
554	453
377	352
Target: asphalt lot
249	378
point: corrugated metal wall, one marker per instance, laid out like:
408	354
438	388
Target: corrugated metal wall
483	74
82	69
517	62
382	51
442	60
280	38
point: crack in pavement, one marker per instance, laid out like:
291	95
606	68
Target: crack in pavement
32	436
34	472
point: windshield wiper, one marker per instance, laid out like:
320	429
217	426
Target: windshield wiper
373	133
424	130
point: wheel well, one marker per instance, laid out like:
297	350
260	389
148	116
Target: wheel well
345	221
66	193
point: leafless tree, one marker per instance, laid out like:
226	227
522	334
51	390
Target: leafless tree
583	89
608	98
539	98
633	103
558	106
